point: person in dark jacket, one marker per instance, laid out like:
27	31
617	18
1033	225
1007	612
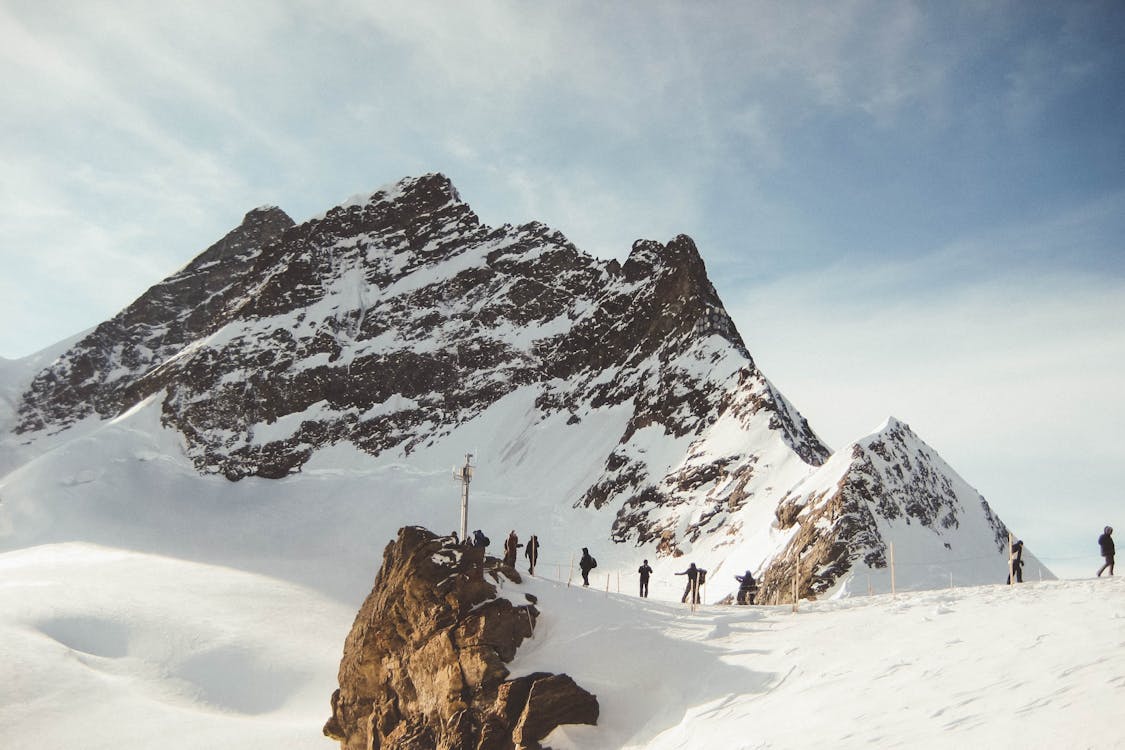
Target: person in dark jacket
695	578
645	571
1017	562
747	588
586	564
479	539
1105	541
511	549
531	552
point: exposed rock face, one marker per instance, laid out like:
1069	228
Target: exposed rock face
424	664
393	319
840	515
103	373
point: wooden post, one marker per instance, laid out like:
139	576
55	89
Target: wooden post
951	579
570	576
869	591
619	581
607	584
892	545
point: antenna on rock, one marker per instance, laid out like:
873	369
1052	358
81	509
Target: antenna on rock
464	475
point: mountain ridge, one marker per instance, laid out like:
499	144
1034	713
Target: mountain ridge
394	322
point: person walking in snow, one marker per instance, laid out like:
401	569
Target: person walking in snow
1017	563
511	549
1105	541
586	564
645	571
695	578
747	588
531	552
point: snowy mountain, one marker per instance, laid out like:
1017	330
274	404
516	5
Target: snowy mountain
609	404
195	496
888	498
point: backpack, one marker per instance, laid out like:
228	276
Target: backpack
702	576
593	562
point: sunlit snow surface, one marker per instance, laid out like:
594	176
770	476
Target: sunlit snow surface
105	648
144	605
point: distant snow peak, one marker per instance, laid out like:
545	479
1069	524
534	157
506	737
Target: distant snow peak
885	487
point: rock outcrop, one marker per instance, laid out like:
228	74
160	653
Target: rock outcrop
424	664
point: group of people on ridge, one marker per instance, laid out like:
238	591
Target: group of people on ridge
747	586
696	576
511	548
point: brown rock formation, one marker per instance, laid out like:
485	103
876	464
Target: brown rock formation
424	664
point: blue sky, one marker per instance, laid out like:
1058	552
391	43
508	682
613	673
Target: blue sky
914	209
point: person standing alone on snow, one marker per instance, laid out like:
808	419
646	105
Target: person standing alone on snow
1105	541
532	553
1017	562
586	564
645	572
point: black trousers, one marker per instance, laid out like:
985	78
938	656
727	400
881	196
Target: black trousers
644	588
1108	564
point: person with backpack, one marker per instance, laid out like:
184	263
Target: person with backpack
695	578
747	588
511	549
1017	563
586	564
1105	541
531	552
478	539
645	571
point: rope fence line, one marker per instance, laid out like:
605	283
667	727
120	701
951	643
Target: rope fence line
566	572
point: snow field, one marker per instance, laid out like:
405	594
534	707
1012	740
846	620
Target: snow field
143	604
107	648
1032	666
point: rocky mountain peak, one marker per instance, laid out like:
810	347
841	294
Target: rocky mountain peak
890	483
396	319
259	227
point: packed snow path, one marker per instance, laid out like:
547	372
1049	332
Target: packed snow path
105	648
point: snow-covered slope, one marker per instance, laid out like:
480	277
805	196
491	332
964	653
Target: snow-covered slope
888	501
354	358
195	496
104	649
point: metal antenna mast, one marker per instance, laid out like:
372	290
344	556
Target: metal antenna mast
464	475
